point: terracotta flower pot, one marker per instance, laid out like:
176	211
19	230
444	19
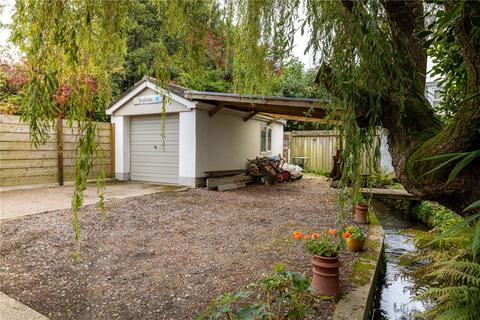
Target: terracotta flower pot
355	245
325	280
360	213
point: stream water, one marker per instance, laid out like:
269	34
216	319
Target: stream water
393	297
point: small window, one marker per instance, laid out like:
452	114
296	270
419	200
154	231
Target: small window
265	139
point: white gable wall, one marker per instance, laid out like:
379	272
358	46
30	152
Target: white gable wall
130	108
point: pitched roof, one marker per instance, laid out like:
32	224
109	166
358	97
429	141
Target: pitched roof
299	109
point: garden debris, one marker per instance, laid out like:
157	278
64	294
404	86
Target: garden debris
274	169
241	179
263	170
223	173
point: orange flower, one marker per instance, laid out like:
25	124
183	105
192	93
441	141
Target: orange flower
297	235
332	232
307	237
315	235
346	235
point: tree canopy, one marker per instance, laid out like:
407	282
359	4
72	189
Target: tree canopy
372	58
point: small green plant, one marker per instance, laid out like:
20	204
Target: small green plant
359	199
318	245
354	232
437	215
279	295
381	179
397	186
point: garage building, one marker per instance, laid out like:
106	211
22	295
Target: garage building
175	136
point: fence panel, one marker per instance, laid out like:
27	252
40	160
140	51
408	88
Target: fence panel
319	146
21	163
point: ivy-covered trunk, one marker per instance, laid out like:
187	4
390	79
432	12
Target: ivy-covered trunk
419	134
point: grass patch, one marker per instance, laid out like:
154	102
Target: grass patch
317	172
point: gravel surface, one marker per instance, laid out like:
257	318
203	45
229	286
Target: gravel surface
165	255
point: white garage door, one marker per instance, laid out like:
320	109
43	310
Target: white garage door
153	158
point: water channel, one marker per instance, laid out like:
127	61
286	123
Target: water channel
393	297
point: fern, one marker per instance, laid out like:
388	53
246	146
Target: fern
463	313
458	294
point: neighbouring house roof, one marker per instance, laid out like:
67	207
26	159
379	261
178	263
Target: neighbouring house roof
298	109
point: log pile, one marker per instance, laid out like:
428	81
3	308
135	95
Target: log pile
262	170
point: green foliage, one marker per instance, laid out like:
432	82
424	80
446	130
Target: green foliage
295	82
262	39
279	295
72	49
317	172
381	179
12	78
448	63
463	159
154	50
397	186
356	232
324	246
437	215
459	294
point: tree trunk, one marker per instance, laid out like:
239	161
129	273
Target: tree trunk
420	134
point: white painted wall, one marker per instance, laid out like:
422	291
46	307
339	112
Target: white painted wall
187	148
277	138
225	141
122	147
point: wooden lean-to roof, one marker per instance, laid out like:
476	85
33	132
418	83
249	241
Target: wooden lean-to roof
276	108
298	109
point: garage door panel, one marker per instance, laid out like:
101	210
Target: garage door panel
148	163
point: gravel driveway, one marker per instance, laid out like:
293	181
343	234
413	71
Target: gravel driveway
165	255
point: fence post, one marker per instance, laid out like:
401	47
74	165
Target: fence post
112	149
60	149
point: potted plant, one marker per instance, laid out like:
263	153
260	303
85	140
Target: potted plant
324	249
355	238
360	210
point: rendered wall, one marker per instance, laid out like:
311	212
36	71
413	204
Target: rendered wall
187	148
225	141
122	147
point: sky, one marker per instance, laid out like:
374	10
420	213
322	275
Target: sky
6	18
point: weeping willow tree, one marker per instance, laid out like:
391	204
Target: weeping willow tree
372	57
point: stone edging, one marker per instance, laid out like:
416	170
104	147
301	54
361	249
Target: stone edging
11	309
357	303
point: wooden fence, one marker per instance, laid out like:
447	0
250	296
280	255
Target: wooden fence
21	163
319	146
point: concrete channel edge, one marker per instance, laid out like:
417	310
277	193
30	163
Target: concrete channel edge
357	304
